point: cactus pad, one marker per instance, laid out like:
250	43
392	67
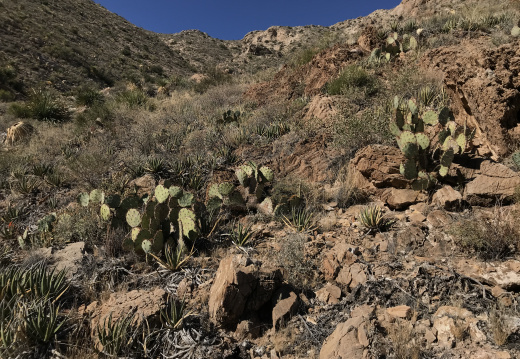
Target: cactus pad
410	150
133	218
214	203
161	194
267	173
443	171
175	192
413	43
214	192
158	242
161	211
113	200
242	176
447	158
186	200
394	129
444	116
146	245
104	211
422	140
461	141
412	106
248	170
409	170
226	188
97	196
430	118
84	199
135	233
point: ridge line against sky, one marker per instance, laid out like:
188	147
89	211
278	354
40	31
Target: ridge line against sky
232	19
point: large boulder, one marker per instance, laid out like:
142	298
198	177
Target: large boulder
349	339
144	304
241	287
493	181
376	166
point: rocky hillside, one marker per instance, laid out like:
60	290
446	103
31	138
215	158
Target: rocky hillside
68	43
306	192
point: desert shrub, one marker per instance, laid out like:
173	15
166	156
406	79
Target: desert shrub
300	271
133	98
89	96
213	77
43	106
353	132
353	79
6	96
489	238
80	224
303	56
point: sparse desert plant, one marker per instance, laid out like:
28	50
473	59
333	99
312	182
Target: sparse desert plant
300	220
353	79
404	341
173	315
89	96
498	325
174	259
490	239
372	218
43	321
240	235
116	335
45	106
17	132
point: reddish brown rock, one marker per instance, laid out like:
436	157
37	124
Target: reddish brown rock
241	286
350	338
447	198
377	166
401	311
284	309
145	304
334	259
495	181
329	294
402	198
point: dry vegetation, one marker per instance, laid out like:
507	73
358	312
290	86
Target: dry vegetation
87	138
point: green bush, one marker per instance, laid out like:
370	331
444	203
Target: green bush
89	96
133	98
43	106
353	78
6	96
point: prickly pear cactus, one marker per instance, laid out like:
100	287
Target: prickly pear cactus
167	217
409	127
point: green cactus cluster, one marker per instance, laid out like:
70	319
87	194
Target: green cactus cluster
169	213
230	116
112	208
253	181
394	45
411	130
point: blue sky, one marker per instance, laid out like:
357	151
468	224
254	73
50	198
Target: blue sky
232	19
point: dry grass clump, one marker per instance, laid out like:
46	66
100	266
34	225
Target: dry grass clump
491	238
404	340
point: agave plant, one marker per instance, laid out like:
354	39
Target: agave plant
43	321
173	315
114	335
372	218
175	259
301	220
240	235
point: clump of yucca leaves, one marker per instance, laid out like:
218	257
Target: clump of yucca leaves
372	219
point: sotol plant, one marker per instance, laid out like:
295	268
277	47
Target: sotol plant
421	151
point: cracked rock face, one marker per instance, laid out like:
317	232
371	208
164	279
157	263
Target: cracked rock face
484	85
241	287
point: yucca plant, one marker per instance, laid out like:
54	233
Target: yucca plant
43	321
45	106
54	179
240	235
175	259
372	218
173	315
115	335
42	169
26	184
155	166
301	220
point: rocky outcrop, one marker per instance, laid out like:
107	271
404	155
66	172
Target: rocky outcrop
241	287
483	82
494	181
350	338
